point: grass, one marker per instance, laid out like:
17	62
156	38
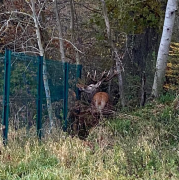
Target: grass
143	144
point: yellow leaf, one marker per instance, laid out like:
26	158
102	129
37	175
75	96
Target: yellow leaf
169	65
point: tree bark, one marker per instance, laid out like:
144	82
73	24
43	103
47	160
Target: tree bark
72	20
72	28
45	78
59	31
164	47
117	57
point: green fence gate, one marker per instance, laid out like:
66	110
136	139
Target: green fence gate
23	96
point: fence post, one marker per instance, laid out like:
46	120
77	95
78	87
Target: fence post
78	75
7	71
39	97
65	95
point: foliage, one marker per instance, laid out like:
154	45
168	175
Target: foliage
167	97
131	16
172	80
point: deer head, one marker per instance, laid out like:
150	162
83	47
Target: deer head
92	88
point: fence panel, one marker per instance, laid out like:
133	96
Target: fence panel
27	98
55	75
23	92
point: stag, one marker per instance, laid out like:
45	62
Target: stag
84	117
99	100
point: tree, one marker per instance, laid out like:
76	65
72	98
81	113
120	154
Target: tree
42	53
59	27
117	57
164	47
72	28
22	36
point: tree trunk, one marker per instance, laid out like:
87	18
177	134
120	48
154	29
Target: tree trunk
45	78
117	57
72	27
164	47
72	20
59	31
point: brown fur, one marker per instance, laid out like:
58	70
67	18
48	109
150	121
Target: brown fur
100	100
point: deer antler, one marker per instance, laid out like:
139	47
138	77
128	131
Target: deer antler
103	75
92	88
109	78
92	78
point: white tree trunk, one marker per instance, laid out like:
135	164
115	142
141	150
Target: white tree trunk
45	78
164	47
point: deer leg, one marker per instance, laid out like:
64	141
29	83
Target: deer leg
75	127
101	115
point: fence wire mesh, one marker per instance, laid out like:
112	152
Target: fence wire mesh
23	94
23	91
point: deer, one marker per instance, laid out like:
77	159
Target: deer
85	116
99	100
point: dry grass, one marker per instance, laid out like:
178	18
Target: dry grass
140	145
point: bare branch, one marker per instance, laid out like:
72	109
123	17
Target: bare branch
16	35
66	41
33	52
18	12
41	9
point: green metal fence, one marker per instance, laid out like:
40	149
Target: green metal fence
23	96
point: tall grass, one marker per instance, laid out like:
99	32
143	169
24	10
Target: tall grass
141	145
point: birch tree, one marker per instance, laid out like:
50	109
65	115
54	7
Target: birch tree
41	52
164	47
117	56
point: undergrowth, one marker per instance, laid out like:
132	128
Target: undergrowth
142	144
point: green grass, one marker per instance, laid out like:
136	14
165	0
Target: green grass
143	144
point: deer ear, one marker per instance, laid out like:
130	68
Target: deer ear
79	86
